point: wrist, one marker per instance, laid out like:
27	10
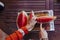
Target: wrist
23	31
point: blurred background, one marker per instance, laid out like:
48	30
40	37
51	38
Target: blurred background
12	7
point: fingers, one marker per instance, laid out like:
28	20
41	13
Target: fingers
31	21
43	33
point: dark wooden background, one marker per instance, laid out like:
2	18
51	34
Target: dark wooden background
9	15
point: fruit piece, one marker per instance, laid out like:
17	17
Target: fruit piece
45	19
22	19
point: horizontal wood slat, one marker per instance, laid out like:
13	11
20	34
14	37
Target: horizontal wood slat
56	4
22	0
57	27
57	10
57	13
25	2
24	7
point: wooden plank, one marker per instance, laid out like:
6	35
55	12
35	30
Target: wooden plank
26	4
57	28
56	12
14	7
41	1
57	22
55	1
51	4
56	7
47	4
26	9
23	0
51	35
56	4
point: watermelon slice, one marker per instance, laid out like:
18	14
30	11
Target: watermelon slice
43	19
22	19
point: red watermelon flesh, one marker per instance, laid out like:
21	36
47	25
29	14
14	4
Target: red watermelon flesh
22	20
31	14
44	19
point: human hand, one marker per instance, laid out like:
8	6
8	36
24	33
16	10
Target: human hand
43	33
31	21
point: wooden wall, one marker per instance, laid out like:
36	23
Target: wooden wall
57	22
9	15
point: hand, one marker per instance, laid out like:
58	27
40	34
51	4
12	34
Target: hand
31	21
43	34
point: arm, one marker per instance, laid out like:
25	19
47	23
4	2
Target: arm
18	34
21	32
43	34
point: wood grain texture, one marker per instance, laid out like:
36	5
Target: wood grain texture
9	15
